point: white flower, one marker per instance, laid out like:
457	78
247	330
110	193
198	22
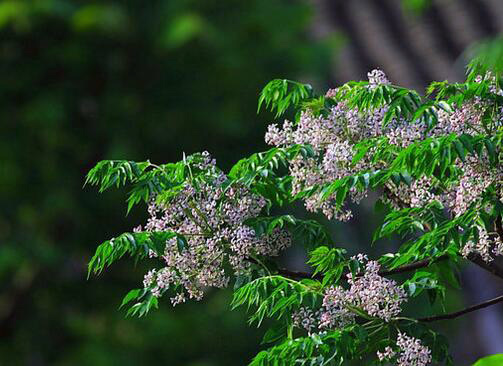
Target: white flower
375	295
413	353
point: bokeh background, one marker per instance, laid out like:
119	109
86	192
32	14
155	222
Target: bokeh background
83	81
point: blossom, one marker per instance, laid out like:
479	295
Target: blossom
477	176
387	354
276	136
377	77
373	294
335	313
211	231
486	246
305	318
413	353
410	352
334	135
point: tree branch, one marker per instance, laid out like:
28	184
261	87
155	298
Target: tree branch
299	274
405	268
456	314
498	226
413	266
490	267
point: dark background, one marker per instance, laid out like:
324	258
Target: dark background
83	81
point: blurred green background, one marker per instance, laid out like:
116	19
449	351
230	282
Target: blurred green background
84	81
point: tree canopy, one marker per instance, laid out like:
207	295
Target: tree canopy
432	160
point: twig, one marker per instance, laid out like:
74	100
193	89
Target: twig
456	314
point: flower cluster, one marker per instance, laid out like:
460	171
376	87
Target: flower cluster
334	152
333	138
209	220
306	318
487	245
387	354
377	77
478	176
369	292
335	313
411	352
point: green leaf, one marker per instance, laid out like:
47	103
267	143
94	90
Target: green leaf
493	360
308	232
274	334
136	245
108	173
130	296
486	56
272	296
142	308
280	94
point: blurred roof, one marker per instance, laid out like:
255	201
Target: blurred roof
412	48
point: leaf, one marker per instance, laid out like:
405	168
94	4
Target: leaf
308	232
329	261
493	360
142	308
272	296
280	94
136	245
274	334
130	296
486	56
181	243
460	150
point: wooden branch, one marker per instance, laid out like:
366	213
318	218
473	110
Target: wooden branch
456	314
413	266
405	268
498	226
299	274
491	267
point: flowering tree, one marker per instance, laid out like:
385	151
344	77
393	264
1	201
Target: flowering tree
433	161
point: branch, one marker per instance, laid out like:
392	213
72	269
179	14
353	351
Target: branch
488	266
405	268
299	274
413	266
498	226
456	314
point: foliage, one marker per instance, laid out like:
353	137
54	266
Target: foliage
279	95
274	296
434	161
492	360
137	245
